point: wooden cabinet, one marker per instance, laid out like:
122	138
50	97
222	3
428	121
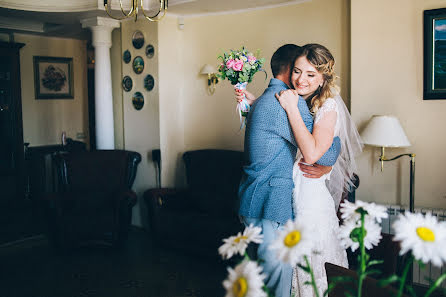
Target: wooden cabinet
11	127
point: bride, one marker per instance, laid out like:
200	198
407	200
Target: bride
315	201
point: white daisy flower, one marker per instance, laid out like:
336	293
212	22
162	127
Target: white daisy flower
349	232
246	280
349	210
253	234
238	244
423	235
292	243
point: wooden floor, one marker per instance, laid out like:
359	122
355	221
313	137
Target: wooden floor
31	268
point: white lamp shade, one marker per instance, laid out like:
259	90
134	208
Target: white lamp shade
208	69
384	131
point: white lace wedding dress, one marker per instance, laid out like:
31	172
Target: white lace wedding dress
315	206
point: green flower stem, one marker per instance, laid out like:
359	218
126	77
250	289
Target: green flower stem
435	285
267	291
404	276
362	266
313	281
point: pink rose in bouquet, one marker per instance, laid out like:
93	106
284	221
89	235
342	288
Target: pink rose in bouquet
251	59
229	64
238	65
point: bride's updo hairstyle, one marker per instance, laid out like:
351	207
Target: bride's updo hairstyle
321	58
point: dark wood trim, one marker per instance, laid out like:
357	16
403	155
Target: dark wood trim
11	45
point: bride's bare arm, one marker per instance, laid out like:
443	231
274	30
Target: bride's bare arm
312	146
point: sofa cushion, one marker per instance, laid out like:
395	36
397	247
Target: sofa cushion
216	203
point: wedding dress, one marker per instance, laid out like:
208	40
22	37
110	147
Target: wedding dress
314	205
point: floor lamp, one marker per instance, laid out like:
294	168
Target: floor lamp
386	131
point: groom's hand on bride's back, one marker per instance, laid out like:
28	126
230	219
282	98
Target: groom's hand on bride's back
313	171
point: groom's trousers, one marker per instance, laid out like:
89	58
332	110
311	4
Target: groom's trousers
278	274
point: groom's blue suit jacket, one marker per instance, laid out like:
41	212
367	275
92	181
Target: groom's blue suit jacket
270	148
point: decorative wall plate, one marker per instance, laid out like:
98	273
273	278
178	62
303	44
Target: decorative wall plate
127	83
138	64
126	56
138	39
150	51
138	100
149	82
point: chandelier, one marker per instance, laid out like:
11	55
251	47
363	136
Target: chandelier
133	13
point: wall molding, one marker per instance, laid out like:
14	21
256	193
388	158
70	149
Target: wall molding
237	11
50	5
21	24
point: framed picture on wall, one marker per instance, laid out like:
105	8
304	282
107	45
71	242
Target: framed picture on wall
53	78
434	82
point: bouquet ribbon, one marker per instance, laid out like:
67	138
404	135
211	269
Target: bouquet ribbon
243	107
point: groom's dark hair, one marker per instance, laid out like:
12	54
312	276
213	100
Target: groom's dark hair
283	57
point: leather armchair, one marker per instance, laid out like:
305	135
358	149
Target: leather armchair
39	171
197	218
94	199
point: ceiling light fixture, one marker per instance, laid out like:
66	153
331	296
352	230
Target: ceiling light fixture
133	13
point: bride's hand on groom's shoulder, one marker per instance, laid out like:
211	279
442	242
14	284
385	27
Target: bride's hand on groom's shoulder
288	99
249	96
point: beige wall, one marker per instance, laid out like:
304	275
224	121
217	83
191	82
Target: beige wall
44	120
141	127
116	74
387	78
203	121
173	77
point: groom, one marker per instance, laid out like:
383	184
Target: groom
266	186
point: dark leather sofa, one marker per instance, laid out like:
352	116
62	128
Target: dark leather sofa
197	218
93	200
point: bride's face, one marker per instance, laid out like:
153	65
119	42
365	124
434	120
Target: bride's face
305	78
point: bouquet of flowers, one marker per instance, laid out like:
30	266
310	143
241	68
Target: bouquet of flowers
422	236
239	68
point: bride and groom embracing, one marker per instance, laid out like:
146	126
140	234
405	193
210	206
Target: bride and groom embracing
282	139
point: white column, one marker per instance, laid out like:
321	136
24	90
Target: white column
101	29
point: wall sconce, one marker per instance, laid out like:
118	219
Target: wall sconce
386	131
210	71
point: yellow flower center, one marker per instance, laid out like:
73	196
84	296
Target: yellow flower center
425	234
292	238
240	287
237	240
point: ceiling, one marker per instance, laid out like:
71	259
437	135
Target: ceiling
63	20
189	8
